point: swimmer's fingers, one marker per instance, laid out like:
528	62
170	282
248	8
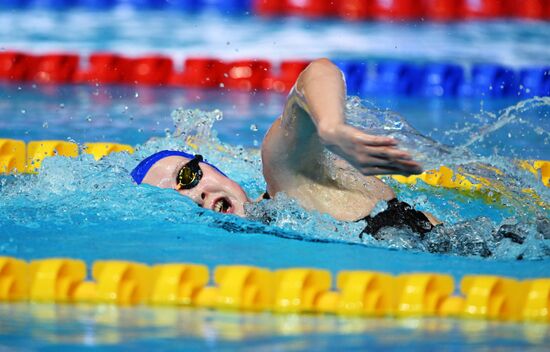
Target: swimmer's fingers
379	171
370	165
388	153
374	141
371	155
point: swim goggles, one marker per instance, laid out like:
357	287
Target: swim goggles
139	172
190	174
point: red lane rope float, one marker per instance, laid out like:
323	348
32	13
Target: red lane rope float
199	72
483	9
104	68
288	73
354	10
363	77
154	70
56	68
16	66
438	10
397	9
347	9
110	68
246	74
311	8
442	10
48	68
530	9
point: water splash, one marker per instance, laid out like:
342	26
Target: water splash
82	192
490	123
373	120
518	225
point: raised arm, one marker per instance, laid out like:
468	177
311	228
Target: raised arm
313	119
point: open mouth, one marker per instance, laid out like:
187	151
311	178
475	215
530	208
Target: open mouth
222	205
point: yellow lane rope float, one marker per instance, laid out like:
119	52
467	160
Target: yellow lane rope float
18	157
291	290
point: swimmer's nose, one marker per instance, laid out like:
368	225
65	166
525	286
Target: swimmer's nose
198	196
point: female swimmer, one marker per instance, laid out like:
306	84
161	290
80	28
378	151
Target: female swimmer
294	163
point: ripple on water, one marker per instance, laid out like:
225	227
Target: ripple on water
80	192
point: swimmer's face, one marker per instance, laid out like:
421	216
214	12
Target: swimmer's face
214	191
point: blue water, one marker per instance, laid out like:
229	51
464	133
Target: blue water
511	43
44	204
91	210
132	115
65	328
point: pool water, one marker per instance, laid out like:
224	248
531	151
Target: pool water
44	203
60	328
91	210
511	43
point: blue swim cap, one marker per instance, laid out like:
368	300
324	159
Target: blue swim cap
139	172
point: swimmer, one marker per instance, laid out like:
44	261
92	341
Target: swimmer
294	162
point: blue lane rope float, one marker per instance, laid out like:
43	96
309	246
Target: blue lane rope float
363	77
394	77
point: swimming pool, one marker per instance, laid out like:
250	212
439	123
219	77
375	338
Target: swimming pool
89	210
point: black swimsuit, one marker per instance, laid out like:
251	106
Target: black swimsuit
397	214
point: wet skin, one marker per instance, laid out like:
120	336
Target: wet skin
312	122
214	191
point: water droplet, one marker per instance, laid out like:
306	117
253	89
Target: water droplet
89	118
254	128
45	125
228	43
136	95
61	106
23	111
222	85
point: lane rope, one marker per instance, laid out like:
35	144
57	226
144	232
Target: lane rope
363	77
293	290
348	10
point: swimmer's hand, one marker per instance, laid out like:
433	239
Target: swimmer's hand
370	154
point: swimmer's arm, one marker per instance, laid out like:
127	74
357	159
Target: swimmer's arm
314	119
